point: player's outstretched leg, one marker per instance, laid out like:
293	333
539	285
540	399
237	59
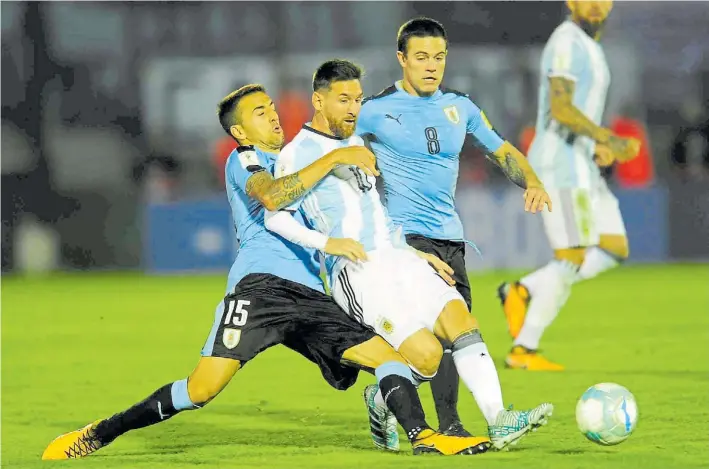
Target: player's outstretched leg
210	376
397	386
478	372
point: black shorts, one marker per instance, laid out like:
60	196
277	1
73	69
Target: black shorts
450	252
266	310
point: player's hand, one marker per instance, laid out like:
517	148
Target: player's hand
358	156
603	155
346	247
535	198
443	269
624	149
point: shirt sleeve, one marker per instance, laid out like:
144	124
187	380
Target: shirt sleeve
243	165
566	60
484	135
289	228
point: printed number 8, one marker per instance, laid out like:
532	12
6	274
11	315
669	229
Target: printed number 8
432	138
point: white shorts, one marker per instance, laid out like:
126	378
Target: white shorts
395	292
581	215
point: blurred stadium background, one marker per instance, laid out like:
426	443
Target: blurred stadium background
112	160
112	155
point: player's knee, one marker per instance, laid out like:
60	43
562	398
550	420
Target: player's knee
426	356
575	255
201	391
454	319
616	246
209	378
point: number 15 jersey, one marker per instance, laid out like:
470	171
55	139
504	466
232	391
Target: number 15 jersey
417	141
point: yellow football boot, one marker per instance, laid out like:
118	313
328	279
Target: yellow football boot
429	441
522	359
515	300
72	445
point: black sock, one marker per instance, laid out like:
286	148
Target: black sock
444	387
154	409
402	399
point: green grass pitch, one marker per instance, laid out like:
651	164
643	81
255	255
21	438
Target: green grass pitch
79	347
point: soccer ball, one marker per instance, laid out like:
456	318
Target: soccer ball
607	414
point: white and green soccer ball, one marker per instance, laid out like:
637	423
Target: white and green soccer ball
607	414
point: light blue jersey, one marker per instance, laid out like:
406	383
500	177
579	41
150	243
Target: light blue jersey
260	250
417	142
345	204
560	158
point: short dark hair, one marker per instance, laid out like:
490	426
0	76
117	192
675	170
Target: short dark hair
419	27
335	70
228	107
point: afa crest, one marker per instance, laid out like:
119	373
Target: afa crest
231	338
452	114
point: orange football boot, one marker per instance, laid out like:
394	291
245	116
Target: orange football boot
515	300
73	445
520	358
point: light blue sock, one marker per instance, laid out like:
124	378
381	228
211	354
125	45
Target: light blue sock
180	397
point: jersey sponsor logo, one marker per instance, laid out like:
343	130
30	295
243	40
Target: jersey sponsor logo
248	158
452	114
231	338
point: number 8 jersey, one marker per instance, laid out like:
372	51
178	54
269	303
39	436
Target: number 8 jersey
417	141
345	204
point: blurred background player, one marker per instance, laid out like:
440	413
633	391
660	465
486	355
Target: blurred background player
586	228
380	280
417	130
274	295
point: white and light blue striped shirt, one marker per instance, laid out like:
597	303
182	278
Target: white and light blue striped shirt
560	158
345	204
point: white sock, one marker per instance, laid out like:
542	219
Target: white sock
535	280
596	261
476	368
553	287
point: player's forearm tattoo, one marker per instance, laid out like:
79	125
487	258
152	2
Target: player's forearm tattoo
510	166
568	115
275	194
286	190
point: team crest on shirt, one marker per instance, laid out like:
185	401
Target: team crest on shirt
231	338
452	114
387	326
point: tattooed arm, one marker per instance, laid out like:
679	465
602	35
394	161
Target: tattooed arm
515	166
275	194
565	113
